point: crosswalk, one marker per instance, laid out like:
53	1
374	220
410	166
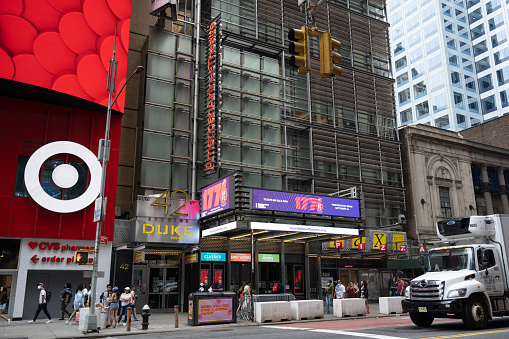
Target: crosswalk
336	332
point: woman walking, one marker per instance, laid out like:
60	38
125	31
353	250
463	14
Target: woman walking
79	299
364	294
132	303
113	300
3	303
65	298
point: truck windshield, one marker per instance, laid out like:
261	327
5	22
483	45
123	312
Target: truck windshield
454	259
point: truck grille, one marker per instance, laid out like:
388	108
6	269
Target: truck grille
427	290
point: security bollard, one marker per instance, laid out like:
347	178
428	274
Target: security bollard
128	329
176	309
145	313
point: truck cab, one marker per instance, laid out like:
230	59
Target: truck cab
465	280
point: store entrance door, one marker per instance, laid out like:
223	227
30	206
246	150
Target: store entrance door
157	287
348	276
295	280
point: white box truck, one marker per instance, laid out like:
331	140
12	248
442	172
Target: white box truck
466	278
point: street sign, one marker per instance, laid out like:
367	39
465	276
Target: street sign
383	247
97	209
422	249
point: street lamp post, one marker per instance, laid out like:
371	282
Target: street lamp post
104	150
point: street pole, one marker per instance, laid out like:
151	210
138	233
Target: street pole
104	150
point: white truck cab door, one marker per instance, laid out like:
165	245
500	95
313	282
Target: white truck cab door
492	276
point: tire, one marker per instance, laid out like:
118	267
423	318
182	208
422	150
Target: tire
421	319
475	313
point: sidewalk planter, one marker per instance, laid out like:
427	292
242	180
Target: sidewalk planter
349	307
306	309
212	308
272	311
101	318
390	305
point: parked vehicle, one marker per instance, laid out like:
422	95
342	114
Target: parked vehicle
466	279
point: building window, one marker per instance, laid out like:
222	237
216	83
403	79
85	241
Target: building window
404	96
399	48
417	70
488	104
470	83
47	182
492	6
406	116
501	56
456	79
498	38
496	21
400	63
477	31
419	89
435	62
474	16
458	100
503	76
504	98
402	79
422	109
471	3
480	48
436	82
439	102
473	105
482	64
461	119
485	83
430	29
445	202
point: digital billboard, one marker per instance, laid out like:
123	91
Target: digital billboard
65	45
218	197
304	203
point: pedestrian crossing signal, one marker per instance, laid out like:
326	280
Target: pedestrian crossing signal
81	257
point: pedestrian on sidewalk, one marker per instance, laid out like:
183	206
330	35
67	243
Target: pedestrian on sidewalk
339	290
3	303
394	287
42	305
364	294
79	300
132	303
113	300
353	290
65	298
402	285
124	303
329	290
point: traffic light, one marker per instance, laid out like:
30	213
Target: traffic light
328	56
299	48
81	257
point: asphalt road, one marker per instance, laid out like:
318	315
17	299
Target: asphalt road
378	328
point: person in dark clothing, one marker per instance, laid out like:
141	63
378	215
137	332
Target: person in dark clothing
280	288
3	303
65	298
364	294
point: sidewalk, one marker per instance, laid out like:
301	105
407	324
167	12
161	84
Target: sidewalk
158	322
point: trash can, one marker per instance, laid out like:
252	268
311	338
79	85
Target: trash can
212	308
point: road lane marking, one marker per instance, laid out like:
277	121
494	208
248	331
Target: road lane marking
467	334
339	332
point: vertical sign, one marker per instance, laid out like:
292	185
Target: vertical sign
378	241
397	241
422	249
212	99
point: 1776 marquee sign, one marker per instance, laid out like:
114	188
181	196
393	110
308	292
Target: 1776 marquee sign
213	97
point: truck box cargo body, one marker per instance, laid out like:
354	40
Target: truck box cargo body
467	277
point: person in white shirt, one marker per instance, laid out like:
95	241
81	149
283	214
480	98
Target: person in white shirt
124	303
42	305
339	290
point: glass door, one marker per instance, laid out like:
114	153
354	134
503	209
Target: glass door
163	288
171	289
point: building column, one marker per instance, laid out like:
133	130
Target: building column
319	291
283	265
503	190
486	189
228	268
307	273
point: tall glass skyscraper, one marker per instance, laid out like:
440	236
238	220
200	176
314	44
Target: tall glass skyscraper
449	61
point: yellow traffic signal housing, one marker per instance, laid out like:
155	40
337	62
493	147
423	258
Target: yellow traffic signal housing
299	48
328	56
81	257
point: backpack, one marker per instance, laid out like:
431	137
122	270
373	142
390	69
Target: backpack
48	296
274	289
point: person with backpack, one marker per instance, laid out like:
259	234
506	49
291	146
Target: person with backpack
42	305
280	288
65	298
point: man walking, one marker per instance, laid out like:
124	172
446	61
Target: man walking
329	290
42	305
339	290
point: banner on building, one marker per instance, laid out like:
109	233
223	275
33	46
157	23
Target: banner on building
218	197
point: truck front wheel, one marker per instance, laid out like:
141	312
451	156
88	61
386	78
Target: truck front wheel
475	313
421	319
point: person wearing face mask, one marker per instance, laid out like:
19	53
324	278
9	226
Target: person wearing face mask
42	305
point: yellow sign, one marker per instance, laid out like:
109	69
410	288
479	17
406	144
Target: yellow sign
397	241
357	241
378	239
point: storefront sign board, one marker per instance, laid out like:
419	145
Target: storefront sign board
213	256
303	228
240	257
191	258
211	310
220	229
304	203
268	257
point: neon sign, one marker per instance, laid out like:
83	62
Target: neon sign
211	97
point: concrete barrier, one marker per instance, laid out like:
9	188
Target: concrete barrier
306	309
101	318
349	307
272	311
390	305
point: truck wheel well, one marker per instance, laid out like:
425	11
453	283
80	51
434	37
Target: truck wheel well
486	301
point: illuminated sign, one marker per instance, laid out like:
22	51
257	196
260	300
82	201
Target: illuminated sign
220	229
191	258
302	228
211	310
268	257
217	197
172	221
213	256
212	98
65	46
304	203
240	257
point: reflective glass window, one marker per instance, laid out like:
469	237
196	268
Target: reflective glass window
400	63
498	38
488	104
485	83
473	105
482	64
414	38
501	56
503	76
458	100
432	45
439	102
402	79
428	13
399	48
496	21
413	22
436	82
480	48
471	3
470	83
477	31
422	109
453	60
461	120
474	16
465	48
463	31
451	42
504	98
406	115
442	122
155	174
455	79
415	55
419	89
430	29
493	6
434	62
417	70
404	96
